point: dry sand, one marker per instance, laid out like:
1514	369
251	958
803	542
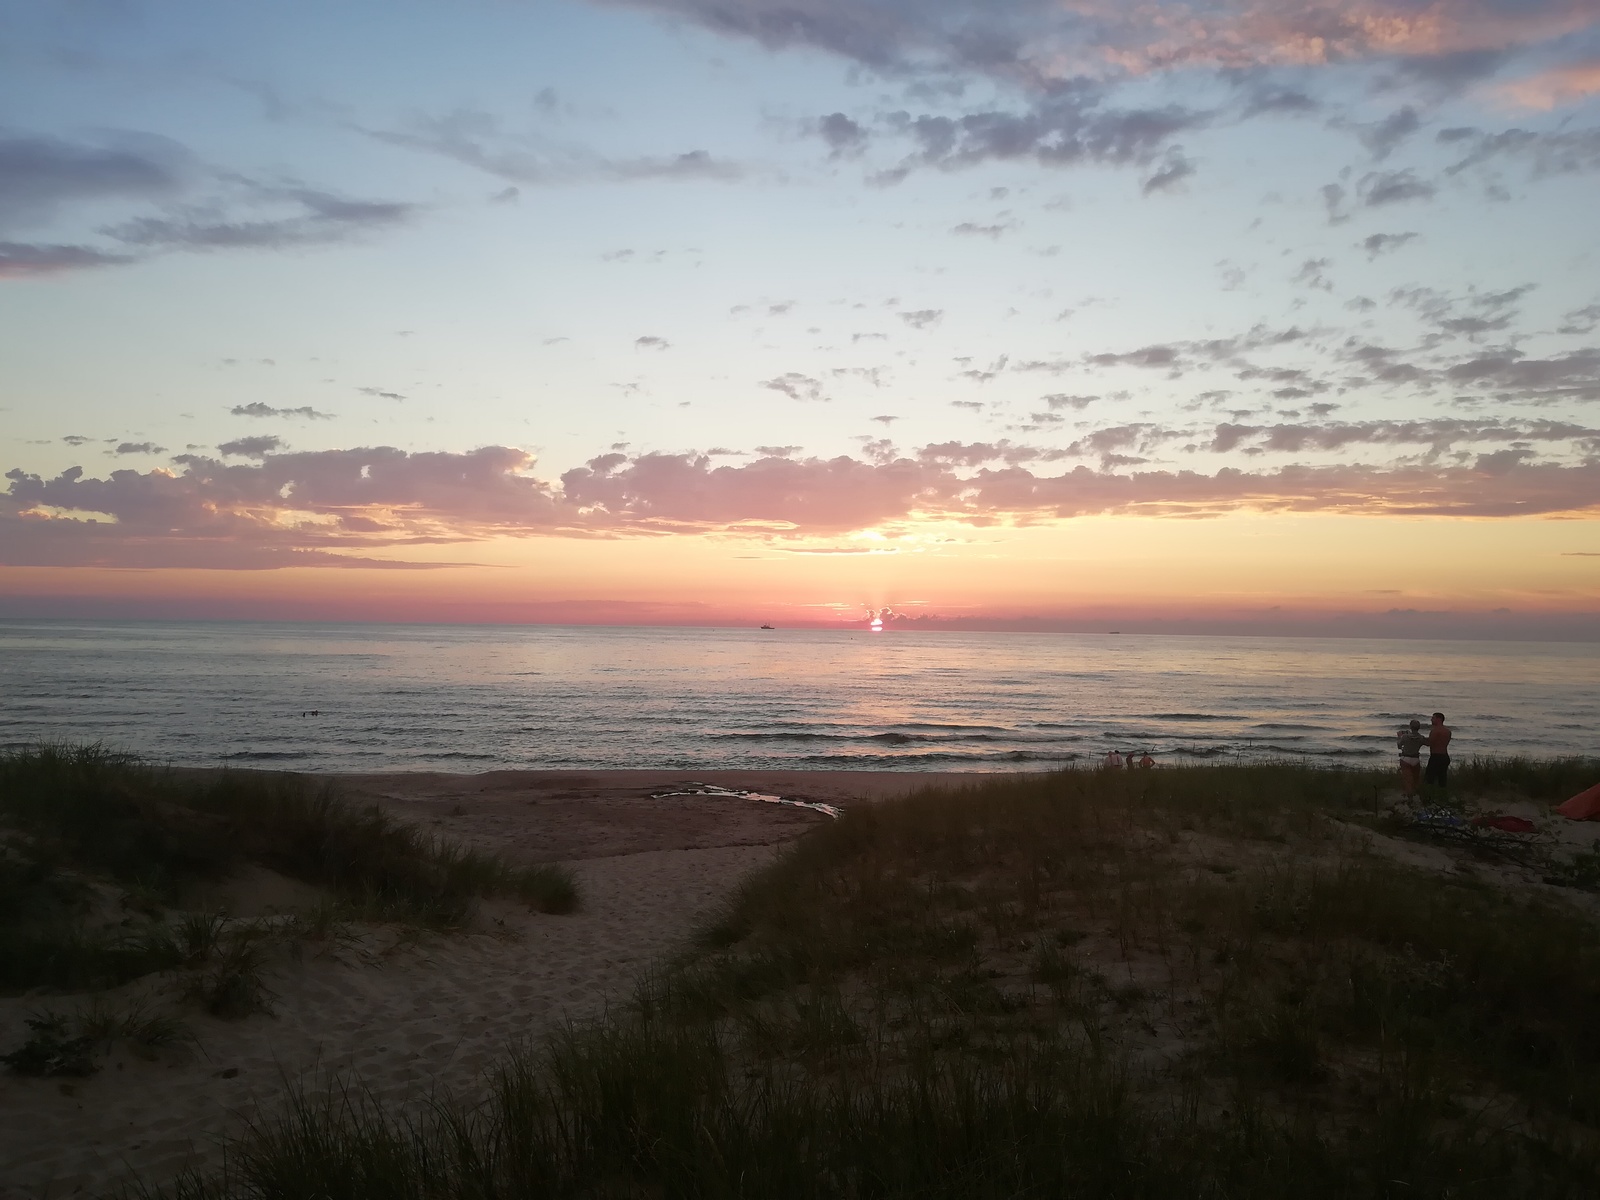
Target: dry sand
403	1018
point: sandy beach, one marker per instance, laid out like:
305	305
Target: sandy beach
402	1016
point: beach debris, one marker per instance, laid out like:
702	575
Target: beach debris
711	789
1511	837
1437	818
1585	806
1504	823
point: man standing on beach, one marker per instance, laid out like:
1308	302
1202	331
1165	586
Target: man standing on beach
1410	742
1438	752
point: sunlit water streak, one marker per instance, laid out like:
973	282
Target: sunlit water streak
451	697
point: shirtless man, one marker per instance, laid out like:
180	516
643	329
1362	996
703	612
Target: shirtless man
1438	752
1410	742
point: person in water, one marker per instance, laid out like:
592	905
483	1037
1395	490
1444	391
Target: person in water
1439	735
1410	741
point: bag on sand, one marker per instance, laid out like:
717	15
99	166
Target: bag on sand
1585	806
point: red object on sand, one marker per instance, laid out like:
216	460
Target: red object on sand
1585	806
1502	822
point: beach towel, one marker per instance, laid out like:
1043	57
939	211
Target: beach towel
1585	806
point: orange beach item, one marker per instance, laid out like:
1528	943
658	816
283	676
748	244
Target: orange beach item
1585	806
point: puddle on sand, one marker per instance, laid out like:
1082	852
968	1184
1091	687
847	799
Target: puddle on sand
711	789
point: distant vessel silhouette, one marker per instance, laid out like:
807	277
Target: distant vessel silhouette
766	627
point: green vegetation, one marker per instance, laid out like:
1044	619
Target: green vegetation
59	1044
99	853
1181	983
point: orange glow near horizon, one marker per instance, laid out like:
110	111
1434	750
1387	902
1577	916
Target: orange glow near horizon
1090	568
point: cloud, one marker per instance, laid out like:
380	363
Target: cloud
1040	42
1176	357
1440	434
1562	152
1382	137
1266	96
796	386
1555	87
337	507
1385	243
1171	174
1311	275
1073	125
1379	188
1513	374
974	229
311	218
310	508
478	139
923	317
257	409
651	343
195	207
841	133
20	260
250	447
40	175
1580	320
380	394
1472	313
139	448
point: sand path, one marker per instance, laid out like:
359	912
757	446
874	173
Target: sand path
405	1020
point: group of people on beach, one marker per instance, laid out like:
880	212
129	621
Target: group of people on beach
1411	739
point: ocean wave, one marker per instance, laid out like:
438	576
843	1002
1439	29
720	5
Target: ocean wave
889	737
1187	717
931	756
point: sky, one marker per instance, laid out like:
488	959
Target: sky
1220	316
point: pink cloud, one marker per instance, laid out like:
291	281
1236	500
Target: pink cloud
1038	41
342	507
1553	88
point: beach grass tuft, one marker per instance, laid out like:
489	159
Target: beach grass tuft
1194	983
99	850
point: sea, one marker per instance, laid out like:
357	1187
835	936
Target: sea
365	697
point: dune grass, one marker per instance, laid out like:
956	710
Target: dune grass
1182	983
97	848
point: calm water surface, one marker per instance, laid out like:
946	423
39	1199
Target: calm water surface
474	697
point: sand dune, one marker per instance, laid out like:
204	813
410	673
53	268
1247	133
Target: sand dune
404	1017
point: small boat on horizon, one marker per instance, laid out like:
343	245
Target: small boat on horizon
766	627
